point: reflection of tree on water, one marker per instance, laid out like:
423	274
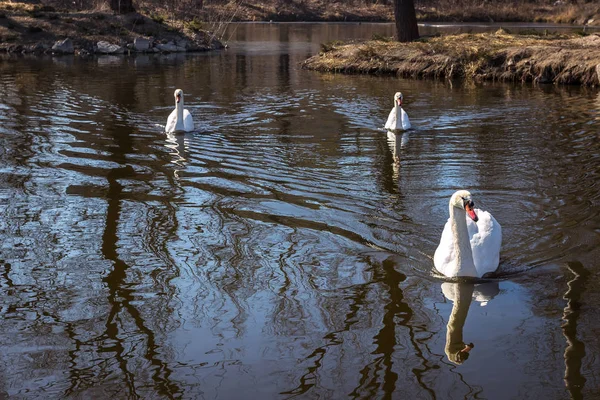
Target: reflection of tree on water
396	312
121	297
378	379
125	318
462	294
575	351
309	379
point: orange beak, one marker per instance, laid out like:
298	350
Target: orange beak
471	212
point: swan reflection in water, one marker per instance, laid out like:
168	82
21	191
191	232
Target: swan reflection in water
178	151
397	143
461	294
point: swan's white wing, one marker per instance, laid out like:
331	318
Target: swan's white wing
486	240
391	121
405	121
445	254
188	122
171	122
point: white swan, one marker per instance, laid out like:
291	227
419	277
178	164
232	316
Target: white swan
398	119
180	119
471	240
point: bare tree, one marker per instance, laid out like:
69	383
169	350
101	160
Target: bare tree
122	6
407	29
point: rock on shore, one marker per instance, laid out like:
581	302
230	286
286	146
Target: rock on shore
44	31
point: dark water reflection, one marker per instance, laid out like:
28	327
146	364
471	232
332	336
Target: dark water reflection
285	249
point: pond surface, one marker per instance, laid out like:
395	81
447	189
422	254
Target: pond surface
285	248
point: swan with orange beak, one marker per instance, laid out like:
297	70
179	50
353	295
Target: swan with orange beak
398	119
470	242
180	119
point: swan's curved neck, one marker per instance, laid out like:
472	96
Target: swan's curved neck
398	112
465	266
179	109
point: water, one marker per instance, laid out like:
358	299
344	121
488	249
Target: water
285	248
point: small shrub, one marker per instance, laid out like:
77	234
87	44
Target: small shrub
99	17
158	18
194	25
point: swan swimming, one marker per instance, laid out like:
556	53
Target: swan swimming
180	119
471	240
398	119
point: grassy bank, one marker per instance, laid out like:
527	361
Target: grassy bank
498	56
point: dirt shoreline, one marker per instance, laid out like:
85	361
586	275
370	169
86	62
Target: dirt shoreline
498	56
26	28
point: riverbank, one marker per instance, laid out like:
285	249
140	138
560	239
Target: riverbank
27	28
557	12
498	56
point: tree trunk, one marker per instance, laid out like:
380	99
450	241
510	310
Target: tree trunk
122	6
407	29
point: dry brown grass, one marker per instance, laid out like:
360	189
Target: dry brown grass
551	11
487	56
579	12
